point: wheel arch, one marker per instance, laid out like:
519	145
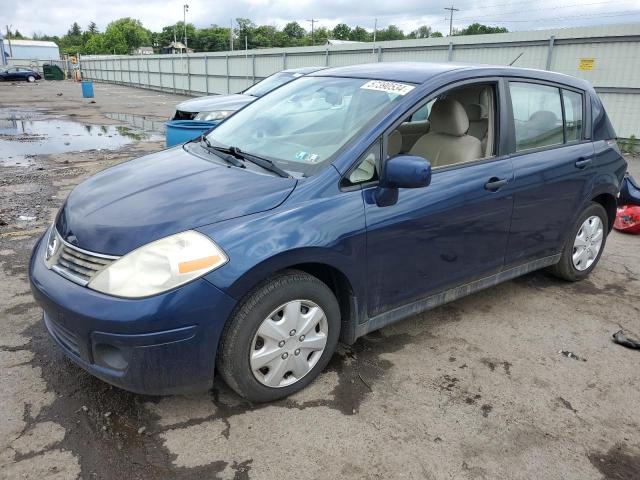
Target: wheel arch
609	203
319	263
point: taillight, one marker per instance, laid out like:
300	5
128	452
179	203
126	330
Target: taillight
628	219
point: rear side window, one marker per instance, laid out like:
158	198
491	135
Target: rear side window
537	115
573	114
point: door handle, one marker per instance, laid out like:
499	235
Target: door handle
495	183
583	162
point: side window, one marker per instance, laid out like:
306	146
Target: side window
573	114
367	168
537	115
459	129
422	113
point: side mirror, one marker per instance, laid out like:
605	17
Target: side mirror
401	171
406	171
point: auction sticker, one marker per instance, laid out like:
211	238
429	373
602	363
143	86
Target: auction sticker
389	87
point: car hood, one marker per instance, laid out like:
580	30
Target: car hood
134	203
215	102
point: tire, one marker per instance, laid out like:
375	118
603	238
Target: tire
566	268
239	354
31	79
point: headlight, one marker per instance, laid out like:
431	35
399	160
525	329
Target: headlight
213	116
160	266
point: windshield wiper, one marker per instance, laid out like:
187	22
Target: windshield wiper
250	157
228	156
260	161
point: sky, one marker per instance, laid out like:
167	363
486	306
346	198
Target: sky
55	17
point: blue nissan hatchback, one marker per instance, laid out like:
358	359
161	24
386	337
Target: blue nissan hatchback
337	204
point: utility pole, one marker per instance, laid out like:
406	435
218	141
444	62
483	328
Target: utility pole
185	9
312	21
375	30
9	40
231	35
451	10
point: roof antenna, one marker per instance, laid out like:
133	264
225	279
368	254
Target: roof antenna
516	59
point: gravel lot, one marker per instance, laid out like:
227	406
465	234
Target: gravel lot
476	389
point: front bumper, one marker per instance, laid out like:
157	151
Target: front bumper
158	345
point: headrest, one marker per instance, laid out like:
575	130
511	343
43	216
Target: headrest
448	116
476	112
394	143
544	118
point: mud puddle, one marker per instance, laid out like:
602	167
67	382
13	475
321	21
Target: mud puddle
146	123
26	134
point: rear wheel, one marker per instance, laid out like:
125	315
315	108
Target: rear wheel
31	79
280	338
584	245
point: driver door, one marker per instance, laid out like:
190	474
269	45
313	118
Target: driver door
434	238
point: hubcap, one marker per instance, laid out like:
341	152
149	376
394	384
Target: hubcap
588	242
288	343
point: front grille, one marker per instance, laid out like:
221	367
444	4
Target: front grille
78	265
68	339
181	115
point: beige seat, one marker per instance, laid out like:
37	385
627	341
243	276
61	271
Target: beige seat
478	122
394	143
447	141
411	132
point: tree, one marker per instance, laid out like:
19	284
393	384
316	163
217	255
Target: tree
124	35
95	45
212	39
293	33
92	28
359	34
479	29
392	32
341	31
421	32
436	34
75	30
246	29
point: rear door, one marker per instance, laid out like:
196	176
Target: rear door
553	167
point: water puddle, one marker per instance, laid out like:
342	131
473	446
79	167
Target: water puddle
140	122
26	134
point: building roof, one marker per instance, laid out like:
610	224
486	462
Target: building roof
333	41
178	45
30	43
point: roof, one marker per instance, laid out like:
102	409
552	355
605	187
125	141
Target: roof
414	72
420	72
30	43
333	41
304	70
179	45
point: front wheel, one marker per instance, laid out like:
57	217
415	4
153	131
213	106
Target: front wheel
31	79
280	337
584	245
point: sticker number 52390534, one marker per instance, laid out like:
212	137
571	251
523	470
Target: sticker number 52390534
389	87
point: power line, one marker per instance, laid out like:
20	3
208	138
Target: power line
312	21
451	10
535	10
554	19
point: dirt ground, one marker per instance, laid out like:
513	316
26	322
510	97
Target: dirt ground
476	389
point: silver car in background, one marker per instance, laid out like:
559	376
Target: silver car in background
215	108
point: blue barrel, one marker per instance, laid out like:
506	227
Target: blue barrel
87	88
181	131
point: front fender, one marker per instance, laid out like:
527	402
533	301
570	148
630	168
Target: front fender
328	230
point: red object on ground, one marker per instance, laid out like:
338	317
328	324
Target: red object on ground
628	219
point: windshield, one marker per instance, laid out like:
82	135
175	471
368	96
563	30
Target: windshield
270	83
302	125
